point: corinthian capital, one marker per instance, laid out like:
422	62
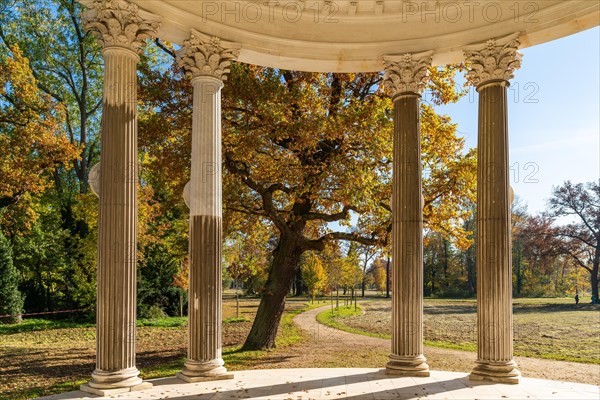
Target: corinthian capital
495	60
118	23
202	55
407	73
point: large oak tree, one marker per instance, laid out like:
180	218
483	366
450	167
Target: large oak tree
309	156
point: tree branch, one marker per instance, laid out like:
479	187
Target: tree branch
330	217
241	169
162	46
245	210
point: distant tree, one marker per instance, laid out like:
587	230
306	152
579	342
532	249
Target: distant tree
156	282
181	280
333	263
379	274
246	255
580	238
11	301
366	252
313	274
433	260
519	221
353	273
40	259
470	254
540	255
540	267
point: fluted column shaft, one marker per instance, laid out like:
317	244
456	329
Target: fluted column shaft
407	238
117	222
493	228
407	75
494	266
204	309
206	62
122	28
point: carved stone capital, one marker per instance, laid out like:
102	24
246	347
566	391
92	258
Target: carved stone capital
202	55
495	60
118	23
407	73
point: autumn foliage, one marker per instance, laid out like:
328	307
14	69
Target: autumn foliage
31	126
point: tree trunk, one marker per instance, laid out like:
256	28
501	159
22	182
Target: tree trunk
387	278
237	302
83	170
518	270
298	283
331	299
594	283
470	271
181	303
283	269
445	243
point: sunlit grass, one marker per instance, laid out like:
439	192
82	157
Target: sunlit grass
36	392
40	324
234	320
166	322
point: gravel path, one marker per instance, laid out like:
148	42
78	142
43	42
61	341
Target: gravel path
325	340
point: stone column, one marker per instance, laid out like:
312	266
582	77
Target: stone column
122	28
407	76
491	66
206	61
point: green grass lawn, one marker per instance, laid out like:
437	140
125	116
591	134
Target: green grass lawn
39	324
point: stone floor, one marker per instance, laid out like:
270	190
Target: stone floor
351	383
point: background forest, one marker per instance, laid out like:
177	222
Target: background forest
307	163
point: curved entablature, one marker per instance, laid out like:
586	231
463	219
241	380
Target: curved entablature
354	35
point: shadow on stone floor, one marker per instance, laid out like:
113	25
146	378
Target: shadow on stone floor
281	389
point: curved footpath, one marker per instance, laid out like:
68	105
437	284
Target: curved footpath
447	359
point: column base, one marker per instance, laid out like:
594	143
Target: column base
202	371
407	366
501	372
108	383
192	379
108	392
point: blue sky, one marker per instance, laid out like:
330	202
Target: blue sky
554	130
